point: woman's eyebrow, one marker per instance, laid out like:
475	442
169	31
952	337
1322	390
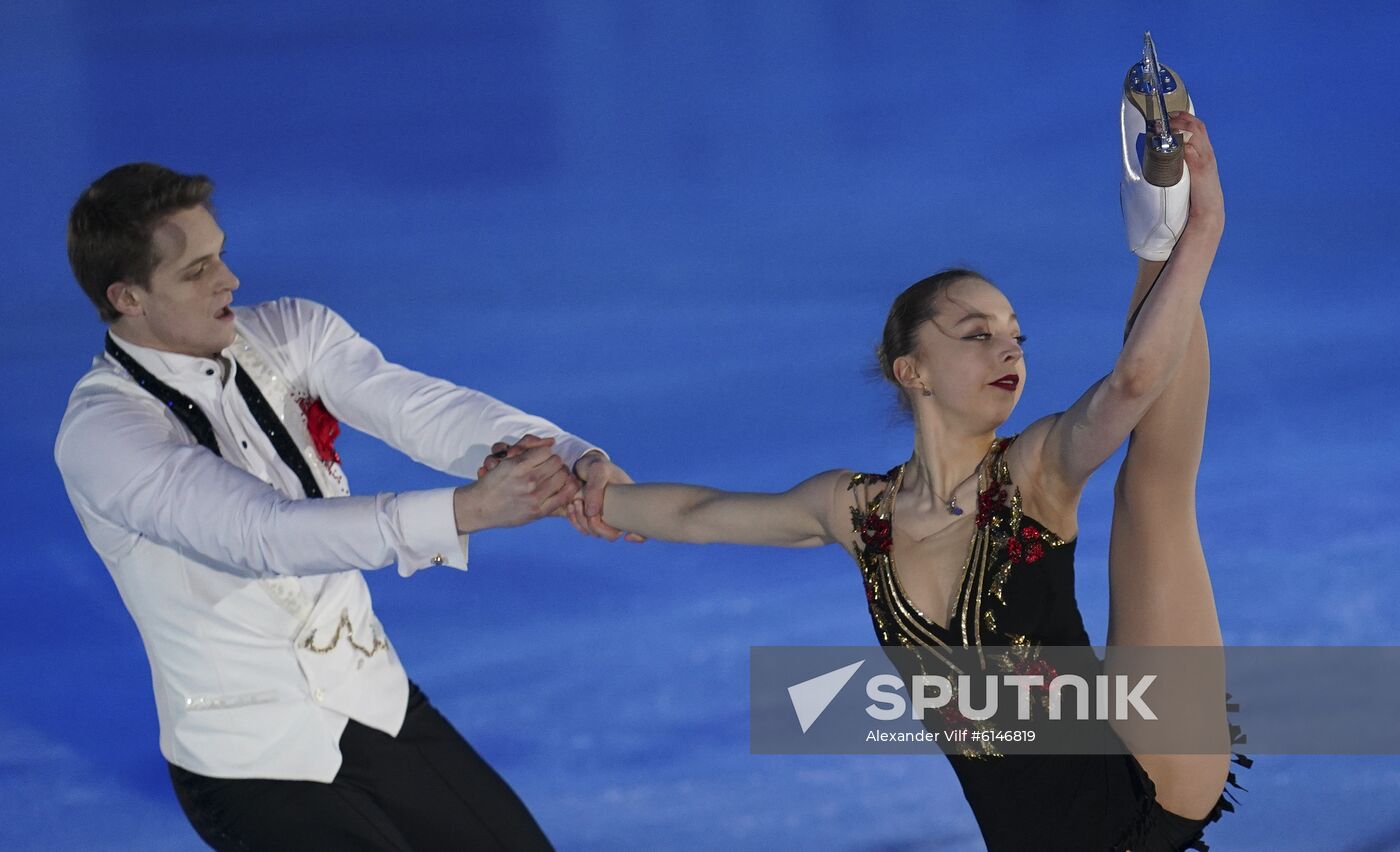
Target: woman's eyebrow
975	315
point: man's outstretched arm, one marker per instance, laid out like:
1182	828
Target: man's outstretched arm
438	423
126	463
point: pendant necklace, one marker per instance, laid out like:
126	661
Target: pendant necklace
951	503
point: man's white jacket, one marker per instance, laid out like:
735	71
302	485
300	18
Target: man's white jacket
249	598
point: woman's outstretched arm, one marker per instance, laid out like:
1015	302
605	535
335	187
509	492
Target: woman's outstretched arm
1073	444
803	516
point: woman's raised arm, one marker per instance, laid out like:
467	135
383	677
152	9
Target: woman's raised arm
1076	442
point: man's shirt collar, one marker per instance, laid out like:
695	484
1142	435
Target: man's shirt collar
174	368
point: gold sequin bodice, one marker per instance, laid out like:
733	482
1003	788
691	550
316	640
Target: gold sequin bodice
1017	585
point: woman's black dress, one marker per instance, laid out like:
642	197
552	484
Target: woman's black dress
1017	589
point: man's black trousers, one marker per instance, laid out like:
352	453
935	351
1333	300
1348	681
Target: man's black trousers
424	790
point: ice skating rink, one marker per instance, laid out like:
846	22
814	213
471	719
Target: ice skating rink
675	229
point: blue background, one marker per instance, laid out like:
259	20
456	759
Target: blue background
675	229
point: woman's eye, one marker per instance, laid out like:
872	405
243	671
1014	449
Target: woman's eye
987	335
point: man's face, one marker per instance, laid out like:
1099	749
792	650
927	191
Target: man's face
185	308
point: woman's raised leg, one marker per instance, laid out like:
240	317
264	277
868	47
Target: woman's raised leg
1159	587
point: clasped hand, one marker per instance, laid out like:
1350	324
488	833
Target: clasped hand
585	486
531	483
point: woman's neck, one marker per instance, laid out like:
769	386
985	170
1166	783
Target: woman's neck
944	463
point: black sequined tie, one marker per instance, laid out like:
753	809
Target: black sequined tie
198	423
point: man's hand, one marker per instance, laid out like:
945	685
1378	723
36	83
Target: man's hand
501	451
586	510
516	489
593	469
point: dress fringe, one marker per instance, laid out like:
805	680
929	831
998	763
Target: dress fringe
1228	800
1142	822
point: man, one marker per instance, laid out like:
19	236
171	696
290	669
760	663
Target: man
193	452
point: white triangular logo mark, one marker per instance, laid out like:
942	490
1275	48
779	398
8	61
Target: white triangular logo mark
810	698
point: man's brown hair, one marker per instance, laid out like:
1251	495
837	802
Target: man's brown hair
110	227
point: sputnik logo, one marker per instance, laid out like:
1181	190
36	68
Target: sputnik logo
810	698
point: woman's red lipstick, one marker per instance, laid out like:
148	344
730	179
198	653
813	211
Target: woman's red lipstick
1008	382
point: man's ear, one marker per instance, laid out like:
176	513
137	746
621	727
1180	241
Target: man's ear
126	298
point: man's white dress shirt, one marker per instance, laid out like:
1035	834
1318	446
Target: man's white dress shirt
249	598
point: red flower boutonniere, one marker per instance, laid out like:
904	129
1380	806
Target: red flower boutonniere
324	429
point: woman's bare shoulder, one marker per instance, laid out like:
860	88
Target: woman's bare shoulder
854	494
1024	454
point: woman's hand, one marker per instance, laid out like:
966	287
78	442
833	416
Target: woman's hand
585	511
1207	198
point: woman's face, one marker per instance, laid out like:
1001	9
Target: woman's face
969	355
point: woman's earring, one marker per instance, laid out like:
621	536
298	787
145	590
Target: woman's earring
925	391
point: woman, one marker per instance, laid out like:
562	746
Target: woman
952	345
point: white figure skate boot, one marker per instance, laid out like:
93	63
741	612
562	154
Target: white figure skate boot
1156	188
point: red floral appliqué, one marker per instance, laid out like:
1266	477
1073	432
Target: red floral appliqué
875	534
1040	667
1028	548
1036	667
324	429
988	503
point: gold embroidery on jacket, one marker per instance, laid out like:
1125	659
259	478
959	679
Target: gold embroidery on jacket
378	644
